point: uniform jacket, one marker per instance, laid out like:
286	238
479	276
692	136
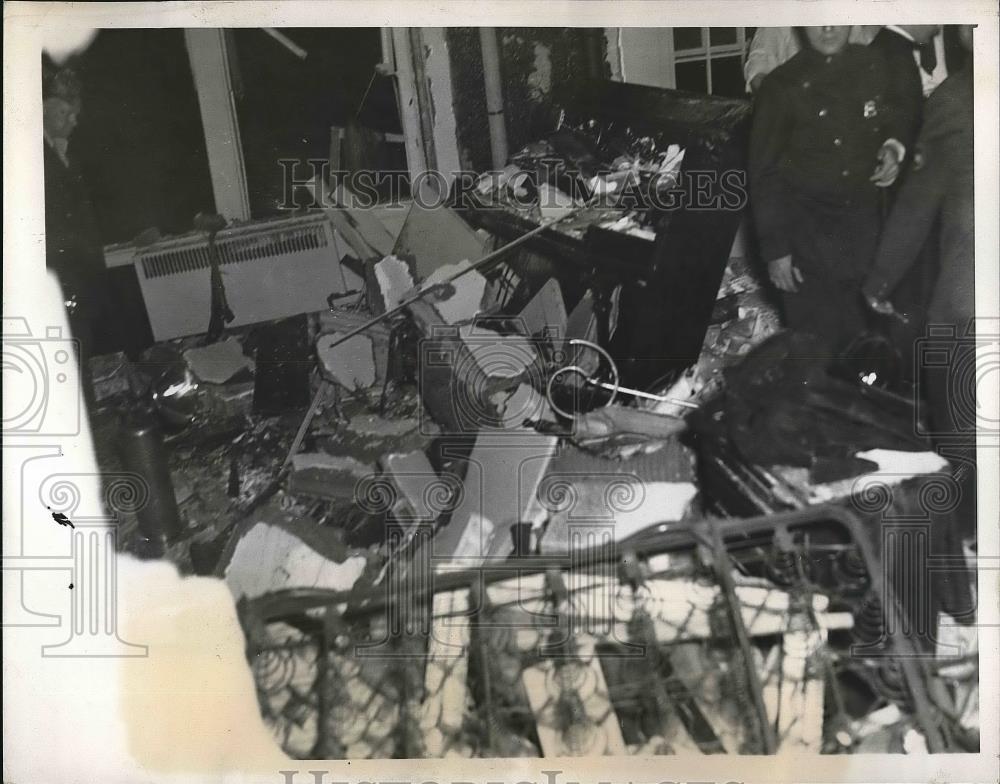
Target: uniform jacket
943	185
818	125
905	86
73	247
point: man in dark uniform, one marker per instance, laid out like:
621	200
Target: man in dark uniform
824	142
73	248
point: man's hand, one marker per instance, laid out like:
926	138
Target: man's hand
882	306
888	166
756	82
879	303
784	275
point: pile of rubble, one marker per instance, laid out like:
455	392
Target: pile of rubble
435	424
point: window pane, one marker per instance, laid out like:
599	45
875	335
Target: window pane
722	35
727	77
692	76
687	38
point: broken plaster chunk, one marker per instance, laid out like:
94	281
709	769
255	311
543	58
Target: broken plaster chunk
269	558
218	362
394	280
498	356
415	479
501	479
546	311
465	300
433	237
351	363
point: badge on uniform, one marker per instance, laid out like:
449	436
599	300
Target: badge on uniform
870	109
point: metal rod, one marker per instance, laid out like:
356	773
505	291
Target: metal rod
487	259
306	421
286	42
676	536
725	577
644	395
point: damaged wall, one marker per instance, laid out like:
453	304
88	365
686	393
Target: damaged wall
536	64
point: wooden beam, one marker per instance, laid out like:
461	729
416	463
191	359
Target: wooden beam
207	51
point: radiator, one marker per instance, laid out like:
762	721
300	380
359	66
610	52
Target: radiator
271	270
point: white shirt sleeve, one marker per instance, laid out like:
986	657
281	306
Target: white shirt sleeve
770	47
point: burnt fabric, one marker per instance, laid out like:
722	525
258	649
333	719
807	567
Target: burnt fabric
782	407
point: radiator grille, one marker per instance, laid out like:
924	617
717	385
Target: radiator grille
270	270
236	245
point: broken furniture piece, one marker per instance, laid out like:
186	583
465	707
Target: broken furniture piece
669	284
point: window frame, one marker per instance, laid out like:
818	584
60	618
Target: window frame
706	53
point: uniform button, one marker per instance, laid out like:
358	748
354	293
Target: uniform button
822	112
806	84
845	173
837	142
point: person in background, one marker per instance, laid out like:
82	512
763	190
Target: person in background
918	57
928	53
73	248
940	185
909	55
823	145
772	46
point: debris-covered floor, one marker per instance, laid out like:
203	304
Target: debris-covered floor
454	532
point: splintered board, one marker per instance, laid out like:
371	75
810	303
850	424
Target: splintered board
572	706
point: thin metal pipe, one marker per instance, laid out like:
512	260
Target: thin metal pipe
494	95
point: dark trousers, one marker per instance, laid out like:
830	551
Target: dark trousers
829	308
833	247
912	297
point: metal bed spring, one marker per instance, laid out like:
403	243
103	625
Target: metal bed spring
650	645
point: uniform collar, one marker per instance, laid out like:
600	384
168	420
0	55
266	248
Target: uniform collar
817	57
